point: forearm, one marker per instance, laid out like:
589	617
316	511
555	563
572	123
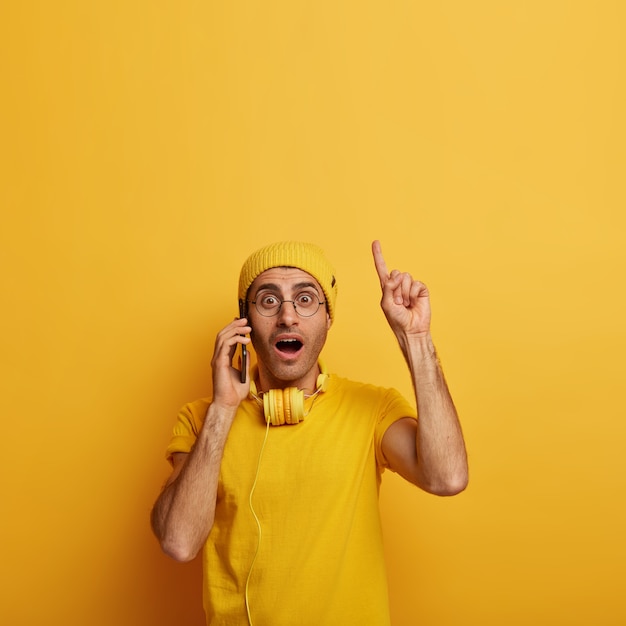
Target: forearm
183	514
441	455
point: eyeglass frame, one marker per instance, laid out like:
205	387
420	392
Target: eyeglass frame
295	307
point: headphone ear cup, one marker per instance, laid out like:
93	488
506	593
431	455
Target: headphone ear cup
296	405
267	411
283	406
286	406
279	408
322	382
273	407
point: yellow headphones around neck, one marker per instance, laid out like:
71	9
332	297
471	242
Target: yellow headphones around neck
286	406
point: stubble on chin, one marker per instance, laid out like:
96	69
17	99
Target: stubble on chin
280	374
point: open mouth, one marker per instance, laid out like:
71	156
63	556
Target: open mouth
288	346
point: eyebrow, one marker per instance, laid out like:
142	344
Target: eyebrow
275	287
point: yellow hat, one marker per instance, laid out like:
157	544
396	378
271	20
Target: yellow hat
305	256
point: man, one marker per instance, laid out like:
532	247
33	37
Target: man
287	516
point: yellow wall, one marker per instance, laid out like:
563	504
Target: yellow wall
147	147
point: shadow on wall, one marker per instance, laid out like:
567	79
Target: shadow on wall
173	593
151	588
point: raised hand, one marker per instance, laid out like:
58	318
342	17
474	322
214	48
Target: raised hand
228	390
405	302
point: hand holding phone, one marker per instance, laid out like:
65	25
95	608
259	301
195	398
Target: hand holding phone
244	351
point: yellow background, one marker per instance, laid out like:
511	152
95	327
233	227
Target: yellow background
148	147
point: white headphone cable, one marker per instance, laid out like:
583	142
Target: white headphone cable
256	519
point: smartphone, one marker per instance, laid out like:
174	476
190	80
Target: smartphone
244	351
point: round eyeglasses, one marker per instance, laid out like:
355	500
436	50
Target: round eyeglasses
305	304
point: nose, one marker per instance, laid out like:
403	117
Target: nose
287	314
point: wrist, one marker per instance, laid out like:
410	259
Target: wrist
420	345
421	357
219	418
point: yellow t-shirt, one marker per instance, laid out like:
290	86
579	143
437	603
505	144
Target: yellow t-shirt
320	555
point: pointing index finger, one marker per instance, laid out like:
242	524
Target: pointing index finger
379	261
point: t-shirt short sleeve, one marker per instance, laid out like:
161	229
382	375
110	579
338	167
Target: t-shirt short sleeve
188	423
393	408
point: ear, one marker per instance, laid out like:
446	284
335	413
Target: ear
329	321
